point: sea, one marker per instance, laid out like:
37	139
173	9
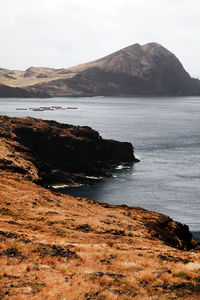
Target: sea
165	132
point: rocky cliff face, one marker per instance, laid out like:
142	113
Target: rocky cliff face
7	91
48	151
135	70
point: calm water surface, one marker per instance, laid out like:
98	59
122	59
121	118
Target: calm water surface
166	135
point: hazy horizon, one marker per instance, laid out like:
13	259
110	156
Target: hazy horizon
62	34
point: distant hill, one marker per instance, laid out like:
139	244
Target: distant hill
135	70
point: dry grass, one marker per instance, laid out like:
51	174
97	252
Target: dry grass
48	252
20	79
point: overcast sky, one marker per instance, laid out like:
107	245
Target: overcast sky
63	33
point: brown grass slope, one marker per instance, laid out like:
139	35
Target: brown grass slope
55	246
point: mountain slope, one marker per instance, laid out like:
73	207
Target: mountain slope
135	70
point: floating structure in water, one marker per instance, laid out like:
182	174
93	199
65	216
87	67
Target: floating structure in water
48	108
21	108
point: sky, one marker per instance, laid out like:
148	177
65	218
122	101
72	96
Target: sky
64	33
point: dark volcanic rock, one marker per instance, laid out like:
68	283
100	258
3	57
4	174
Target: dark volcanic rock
59	150
172	233
7	91
12	92
54	250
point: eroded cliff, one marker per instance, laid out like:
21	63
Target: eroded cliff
50	152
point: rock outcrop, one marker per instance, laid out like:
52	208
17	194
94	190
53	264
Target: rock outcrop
16	92
48	151
147	70
7	91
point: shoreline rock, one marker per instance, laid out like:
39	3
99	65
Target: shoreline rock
49	152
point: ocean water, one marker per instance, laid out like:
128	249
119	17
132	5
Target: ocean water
166	135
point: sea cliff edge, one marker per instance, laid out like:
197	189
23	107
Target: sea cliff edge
55	246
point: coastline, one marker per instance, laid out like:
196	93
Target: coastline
52	244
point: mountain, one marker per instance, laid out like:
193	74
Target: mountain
148	70
55	246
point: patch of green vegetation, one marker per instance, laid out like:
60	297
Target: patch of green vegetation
37	287
182	275
162	268
36	268
93	277
63	271
177	284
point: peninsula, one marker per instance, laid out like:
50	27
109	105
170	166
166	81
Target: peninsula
148	70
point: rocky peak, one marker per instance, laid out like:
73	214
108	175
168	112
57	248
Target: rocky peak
148	70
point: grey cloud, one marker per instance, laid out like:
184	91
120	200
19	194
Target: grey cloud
63	33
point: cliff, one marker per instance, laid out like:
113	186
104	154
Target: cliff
147	70
55	246
50	152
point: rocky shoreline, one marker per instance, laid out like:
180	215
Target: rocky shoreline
55	246
48	152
